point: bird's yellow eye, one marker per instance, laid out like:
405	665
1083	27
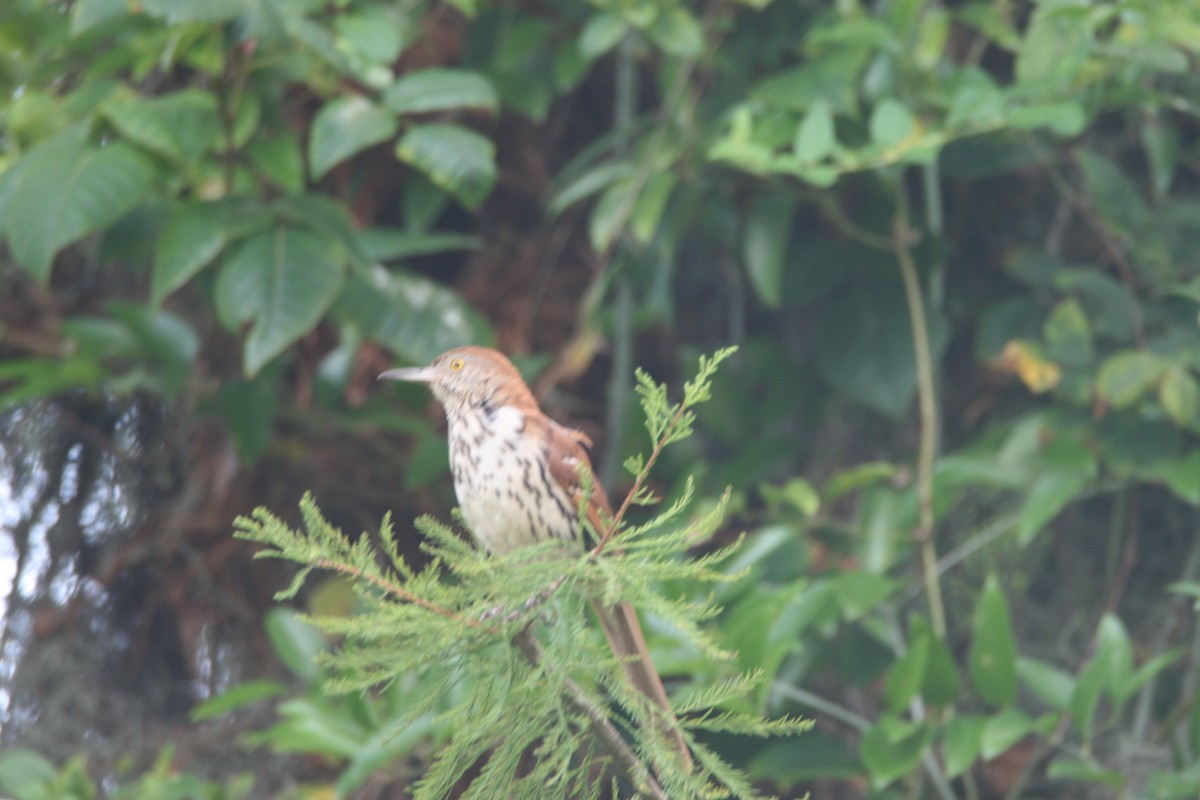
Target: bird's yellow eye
457	364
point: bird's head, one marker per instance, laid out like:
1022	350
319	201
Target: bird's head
468	377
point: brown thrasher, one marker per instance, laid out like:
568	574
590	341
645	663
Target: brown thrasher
517	477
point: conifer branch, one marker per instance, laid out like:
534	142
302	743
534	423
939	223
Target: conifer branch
605	731
393	589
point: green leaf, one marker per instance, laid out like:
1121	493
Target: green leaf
86	14
892	749
677	32
992	658
238	696
411	315
601	33
906	675
440	89
176	12
648	208
1002	731
393	244
963	740
279	158
342	128
182	126
192	238
815	137
1066	118
1068	334
283	280
64	190
1052	685
1089	685
1126	376
458	160
891	122
295	642
375	33
940	684
765	246
1047	496
1179	395
1072	770
27	775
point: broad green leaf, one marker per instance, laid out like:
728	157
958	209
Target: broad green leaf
964	734
280	159
891	122
891	750
1072	770
765	246
1066	118
283	281
601	33
86	14
940	684
458	160
1125	377
412	316
1179	395
588	183
1047	495
1052	685
1112	192
178	11
906	675
439	89
66	189
677	32
609	214
182	125
1181	475
815	137
374	33
1002	731
312	725
992	658
295	642
393	244
1068	334
237	696
342	128
1088	688
648	208
27	775
192	238
1115	650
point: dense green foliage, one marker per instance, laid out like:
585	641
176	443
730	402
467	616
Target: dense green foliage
985	210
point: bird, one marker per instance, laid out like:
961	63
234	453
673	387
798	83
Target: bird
517	477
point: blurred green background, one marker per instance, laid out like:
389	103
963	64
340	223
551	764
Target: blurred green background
957	243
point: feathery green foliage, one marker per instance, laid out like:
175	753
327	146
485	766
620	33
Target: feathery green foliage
548	712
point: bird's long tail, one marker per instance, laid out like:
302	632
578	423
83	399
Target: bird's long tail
624	635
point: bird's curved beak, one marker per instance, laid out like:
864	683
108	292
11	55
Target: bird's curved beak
410	374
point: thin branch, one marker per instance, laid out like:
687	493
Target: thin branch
394	589
606	732
615	522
